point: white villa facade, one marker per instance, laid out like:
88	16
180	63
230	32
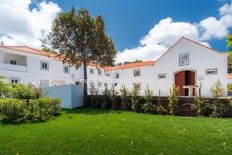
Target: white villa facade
186	64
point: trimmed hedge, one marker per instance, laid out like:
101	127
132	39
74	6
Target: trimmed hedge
18	110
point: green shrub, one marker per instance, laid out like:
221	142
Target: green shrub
113	98
105	99
23	91
218	108
148	106
217	90
135	98
125	98
202	106
14	109
43	108
173	101
161	110
18	110
6	90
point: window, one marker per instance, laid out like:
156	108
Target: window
116	75
44	83
162	76
99	72
99	84
107	74
91	71
92	85
13	62
66	69
14	80
44	65
136	86
211	71
137	72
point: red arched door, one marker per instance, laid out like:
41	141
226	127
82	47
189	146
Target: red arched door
184	78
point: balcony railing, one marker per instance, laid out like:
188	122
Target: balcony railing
11	67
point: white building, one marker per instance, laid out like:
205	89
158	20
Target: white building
22	64
186	64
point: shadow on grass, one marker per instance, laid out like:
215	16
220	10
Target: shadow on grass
89	111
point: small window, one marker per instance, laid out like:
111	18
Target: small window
44	65
44	83
137	86
66	69
211	71
91	71
107	74
92	85
99	72
137	72
13	62
162	76
99	84
116	75
14	80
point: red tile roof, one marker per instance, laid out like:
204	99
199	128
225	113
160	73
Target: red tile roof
130	65
229	76
30	50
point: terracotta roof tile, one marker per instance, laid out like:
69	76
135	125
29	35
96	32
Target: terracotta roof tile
30	50
229	76
131	65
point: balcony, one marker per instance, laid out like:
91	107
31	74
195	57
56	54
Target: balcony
14	67
14	62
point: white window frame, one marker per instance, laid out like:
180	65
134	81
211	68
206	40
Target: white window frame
99	71
91	71
13	62
41	65
137	84
14	80
137	72
116	75
44	83
66	71
211	71
162	76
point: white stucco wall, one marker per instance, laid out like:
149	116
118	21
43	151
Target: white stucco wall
200	59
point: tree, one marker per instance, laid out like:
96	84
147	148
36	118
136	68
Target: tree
229	46
80	40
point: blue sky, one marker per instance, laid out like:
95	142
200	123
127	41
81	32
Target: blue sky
128	20
141	29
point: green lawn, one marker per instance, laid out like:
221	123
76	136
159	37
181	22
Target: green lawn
88	131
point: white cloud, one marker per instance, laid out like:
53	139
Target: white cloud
213	28
167	31
225	9
21	26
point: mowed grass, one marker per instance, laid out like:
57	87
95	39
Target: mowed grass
92	131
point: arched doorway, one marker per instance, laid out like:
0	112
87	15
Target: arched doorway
186	80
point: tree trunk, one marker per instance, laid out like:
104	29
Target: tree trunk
85	95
